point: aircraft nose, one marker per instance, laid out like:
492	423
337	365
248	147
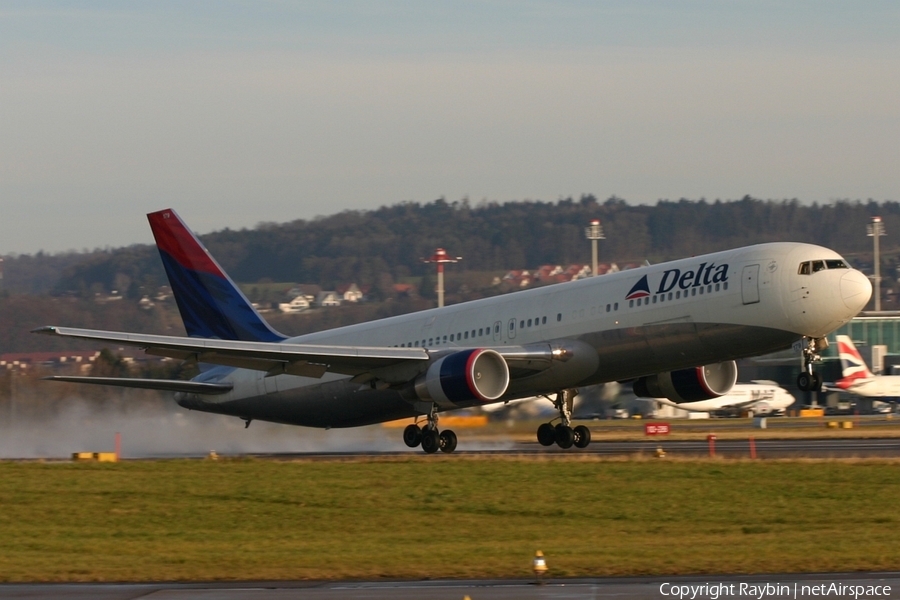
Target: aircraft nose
856	289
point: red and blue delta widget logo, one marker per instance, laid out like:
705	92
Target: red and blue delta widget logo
705	274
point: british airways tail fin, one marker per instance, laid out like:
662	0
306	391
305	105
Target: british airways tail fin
211	305
853	366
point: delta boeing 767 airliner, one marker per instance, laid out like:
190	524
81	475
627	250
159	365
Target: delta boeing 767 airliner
673	329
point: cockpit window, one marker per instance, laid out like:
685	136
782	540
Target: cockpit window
814	266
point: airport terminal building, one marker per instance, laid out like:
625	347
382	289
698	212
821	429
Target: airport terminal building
875	329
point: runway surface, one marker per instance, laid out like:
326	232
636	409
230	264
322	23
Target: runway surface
770	448
741	587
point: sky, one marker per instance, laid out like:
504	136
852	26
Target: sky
236	113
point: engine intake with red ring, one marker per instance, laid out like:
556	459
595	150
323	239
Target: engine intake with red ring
465	378
689	385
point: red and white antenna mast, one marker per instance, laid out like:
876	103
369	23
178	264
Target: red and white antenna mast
440	258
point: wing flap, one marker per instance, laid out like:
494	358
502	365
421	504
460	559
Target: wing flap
240	362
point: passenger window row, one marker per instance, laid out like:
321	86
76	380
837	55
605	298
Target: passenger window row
453	337
473	334
678	295
579	313
538	321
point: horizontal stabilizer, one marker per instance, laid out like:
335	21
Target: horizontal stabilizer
166	385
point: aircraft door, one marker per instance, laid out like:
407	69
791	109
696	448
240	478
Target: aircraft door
511	329
498	331
750	284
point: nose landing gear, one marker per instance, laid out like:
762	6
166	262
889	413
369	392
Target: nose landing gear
810	380
563	434
429	437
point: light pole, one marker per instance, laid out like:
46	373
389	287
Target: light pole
594	232
440	258
875	230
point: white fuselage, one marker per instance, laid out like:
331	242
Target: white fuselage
761	399
877	386
675	315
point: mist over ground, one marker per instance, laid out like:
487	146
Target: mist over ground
164	429
32	426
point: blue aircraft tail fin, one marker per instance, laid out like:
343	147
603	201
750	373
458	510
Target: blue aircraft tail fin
211	305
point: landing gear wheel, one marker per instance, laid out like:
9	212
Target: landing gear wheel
447	441
412	436
817	381
565	437
582	436
804	382
546	435
431	441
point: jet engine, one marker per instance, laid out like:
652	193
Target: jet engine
464	378
689	385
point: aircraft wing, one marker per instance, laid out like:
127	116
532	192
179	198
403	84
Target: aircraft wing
191	387
306	360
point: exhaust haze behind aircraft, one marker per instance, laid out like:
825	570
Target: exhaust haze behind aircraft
673	329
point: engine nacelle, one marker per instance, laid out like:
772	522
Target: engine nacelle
689	385
464	378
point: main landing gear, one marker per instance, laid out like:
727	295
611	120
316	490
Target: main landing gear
563	434
809	380
428	436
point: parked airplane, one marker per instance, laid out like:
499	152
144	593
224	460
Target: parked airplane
858	379
674	329
757	398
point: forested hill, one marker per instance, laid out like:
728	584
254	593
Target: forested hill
379	246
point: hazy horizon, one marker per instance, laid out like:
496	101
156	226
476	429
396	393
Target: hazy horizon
236	114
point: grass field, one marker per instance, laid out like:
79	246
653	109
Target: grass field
440	516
